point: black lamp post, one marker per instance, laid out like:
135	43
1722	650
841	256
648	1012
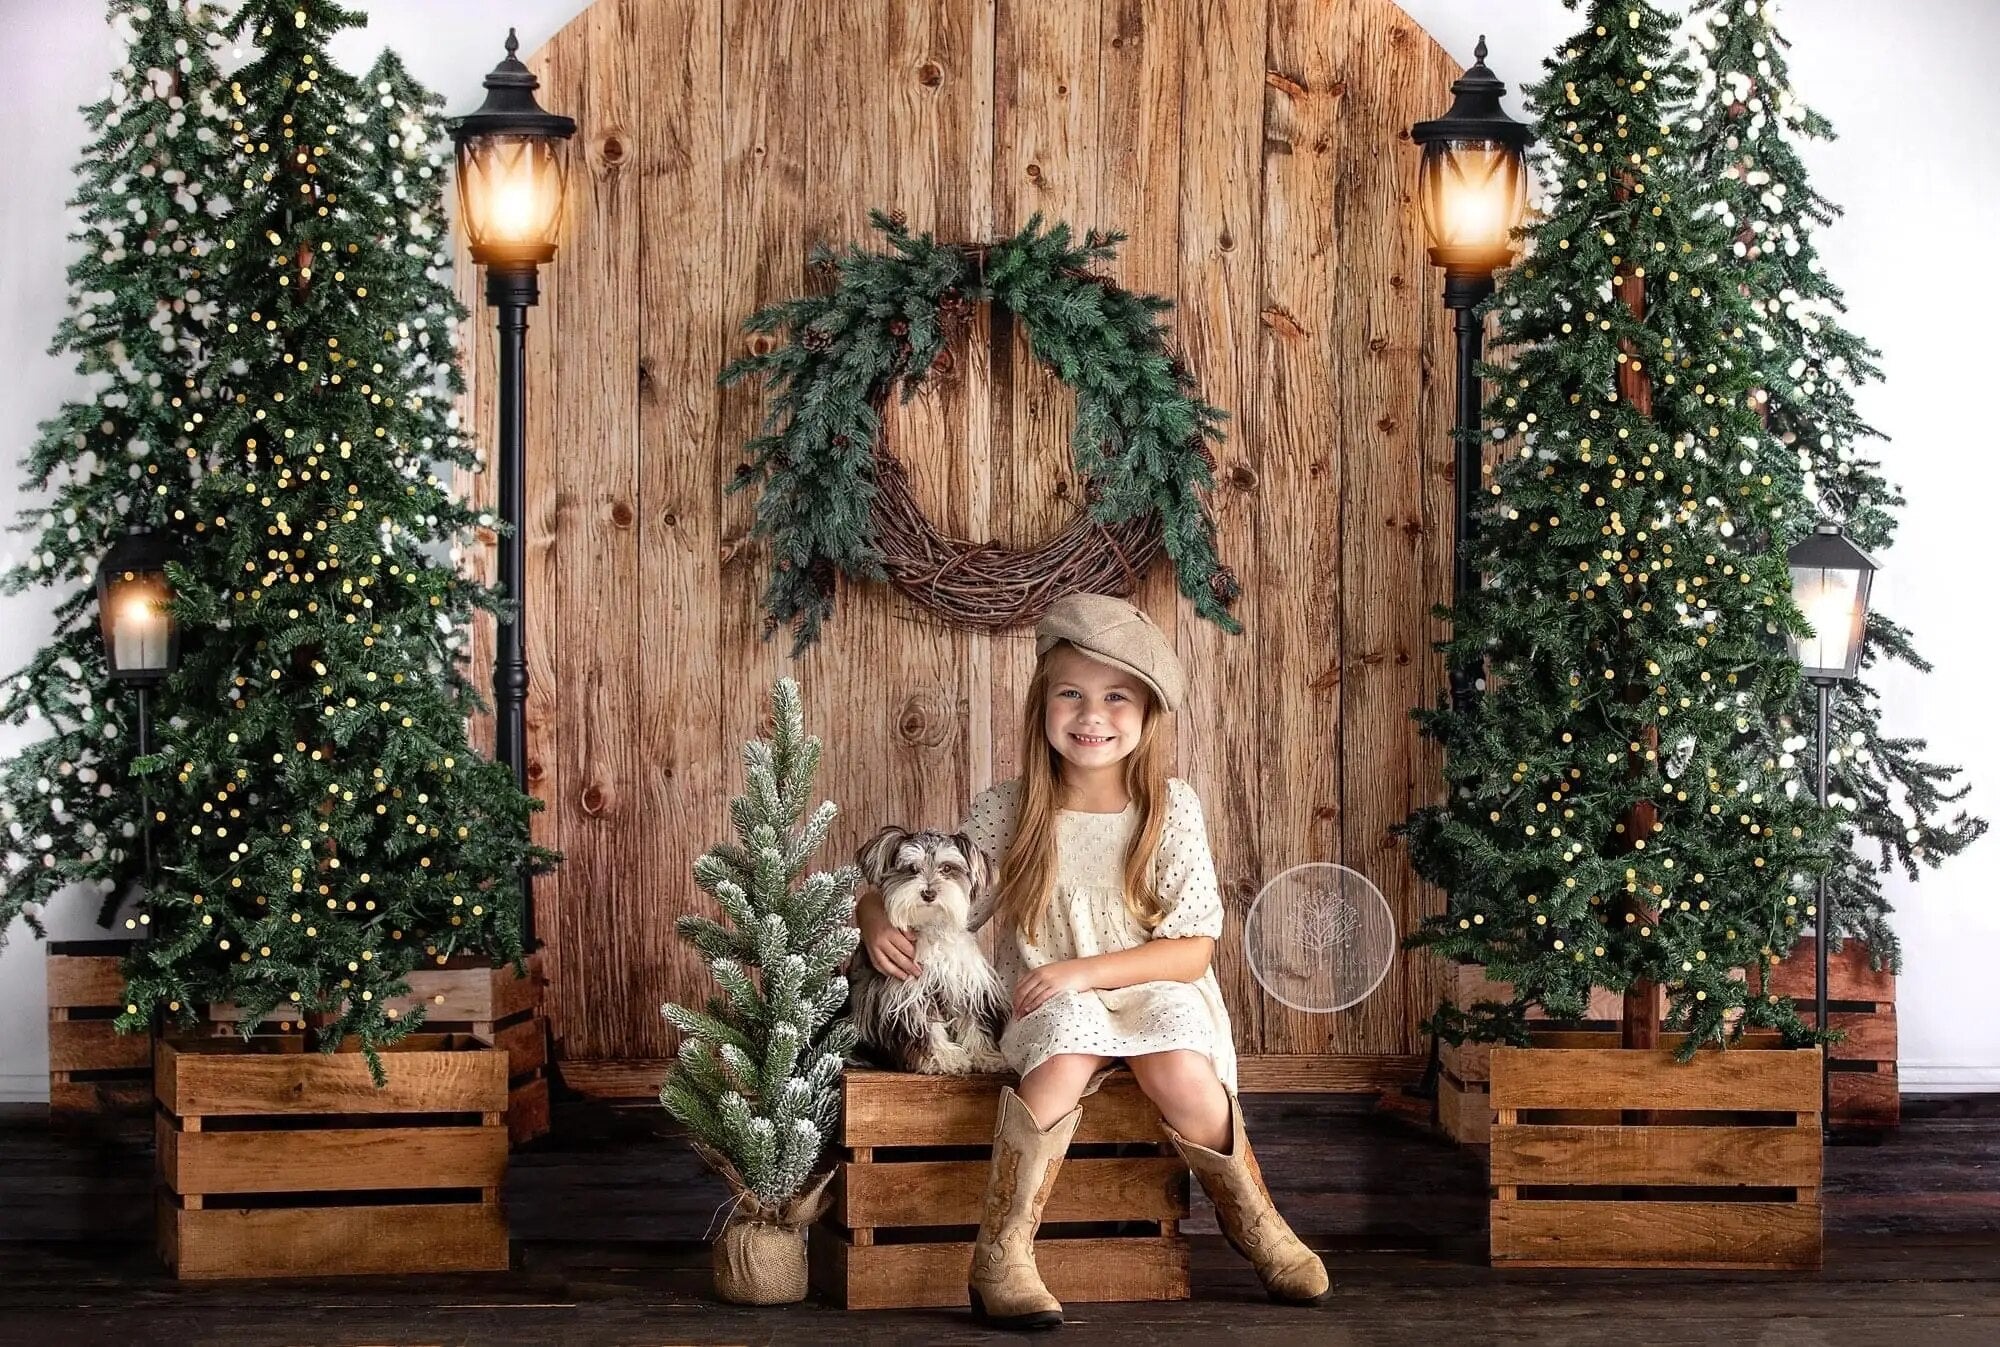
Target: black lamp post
1473	192
142	642
511	170
1830	582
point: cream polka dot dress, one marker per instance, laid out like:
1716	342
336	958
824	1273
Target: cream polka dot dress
1087	916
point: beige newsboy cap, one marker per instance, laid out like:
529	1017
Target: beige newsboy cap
1112	630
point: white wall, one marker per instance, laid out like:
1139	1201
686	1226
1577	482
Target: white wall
1916	170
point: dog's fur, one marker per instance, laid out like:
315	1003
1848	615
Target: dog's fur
946	1021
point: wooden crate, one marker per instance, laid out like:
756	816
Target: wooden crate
468	996
96	1074
1861	1002
1464	1110
1724	1172
911	1174
276	1162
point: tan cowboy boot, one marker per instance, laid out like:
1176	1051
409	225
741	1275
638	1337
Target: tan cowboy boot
1291	1272
1006	1290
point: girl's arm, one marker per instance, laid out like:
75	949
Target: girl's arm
1161	959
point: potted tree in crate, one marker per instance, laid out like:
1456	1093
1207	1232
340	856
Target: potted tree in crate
757	1078
1617	812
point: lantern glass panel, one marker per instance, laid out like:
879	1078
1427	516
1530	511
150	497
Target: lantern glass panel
138	625
510	192
1473	194
1834	601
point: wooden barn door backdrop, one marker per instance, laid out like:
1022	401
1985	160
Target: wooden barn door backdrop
1256	152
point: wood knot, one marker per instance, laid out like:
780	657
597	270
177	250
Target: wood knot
1282	322
1243	477
1226	241
760	343
1317	468
1388	425
1397	282
926	718
535	769
621	514
611	150
1377	345
1034	172
670	519
592	800
1325	812
1118	42
930	74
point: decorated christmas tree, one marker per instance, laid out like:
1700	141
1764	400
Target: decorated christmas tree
1748	126
153	184
756	1082
328	827
1615	815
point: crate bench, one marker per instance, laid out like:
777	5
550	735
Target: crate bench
910	1175
1861	1002
96	1074
1720	1170
277	1162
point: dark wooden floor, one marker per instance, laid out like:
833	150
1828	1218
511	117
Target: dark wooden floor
608	1219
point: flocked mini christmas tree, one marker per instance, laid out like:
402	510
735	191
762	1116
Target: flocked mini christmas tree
153	182
1613	815
1747	126
329	828
756	1082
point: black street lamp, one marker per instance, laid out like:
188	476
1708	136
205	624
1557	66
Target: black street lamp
1830	582
1473	193
142	641
511	169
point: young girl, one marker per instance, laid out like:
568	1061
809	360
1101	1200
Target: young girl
1109	915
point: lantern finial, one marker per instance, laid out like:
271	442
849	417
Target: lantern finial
513	44
1479	52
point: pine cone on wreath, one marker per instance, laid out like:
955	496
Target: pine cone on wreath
814	340
1224	585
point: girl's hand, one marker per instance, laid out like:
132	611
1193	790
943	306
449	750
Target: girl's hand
890	948
1052	979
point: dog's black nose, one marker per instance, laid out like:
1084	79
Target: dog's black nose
930	895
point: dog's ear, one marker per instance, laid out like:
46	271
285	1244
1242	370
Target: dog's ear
876	853
976	863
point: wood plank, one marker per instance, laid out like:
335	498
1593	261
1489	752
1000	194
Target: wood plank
478	407
1772	1235
1297	543
528	1111
225	1242
1871	1034
1352	1073
883	1108
1531	1078
1221	251
345	1159
204	1079
1865	1098
71	1099
526	1043
1465	1111
1469	985
1848	976
1681	1157
85	980
950	1192
683	769
1079	1271
96	1045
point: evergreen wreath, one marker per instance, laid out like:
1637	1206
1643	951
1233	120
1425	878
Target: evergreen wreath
836	502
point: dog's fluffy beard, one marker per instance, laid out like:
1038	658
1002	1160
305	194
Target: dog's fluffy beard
945	1021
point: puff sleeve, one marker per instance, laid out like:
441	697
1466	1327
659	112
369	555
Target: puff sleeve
990	825
1184	871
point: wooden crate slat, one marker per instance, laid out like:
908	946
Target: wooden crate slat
1684	1157
528	1111
1736	1079
514	994
1465	1110
1471	985
333	1159
95	1045
949	1192
892	1108
1076	1271
1865	1098
1871	1034
1848	976
216	1078
219	1242
526	1043
1283	1073
85	980
1779	1235
80	1097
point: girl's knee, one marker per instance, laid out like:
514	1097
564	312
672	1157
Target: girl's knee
1066	1066
1180	1070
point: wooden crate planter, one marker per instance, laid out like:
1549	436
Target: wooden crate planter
911	1173
470	997
96	1074
1861	1077
276	1162
1724	1172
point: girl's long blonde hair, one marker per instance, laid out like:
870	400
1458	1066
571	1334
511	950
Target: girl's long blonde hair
1028	871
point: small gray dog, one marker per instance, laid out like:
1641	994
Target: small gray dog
946	1021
